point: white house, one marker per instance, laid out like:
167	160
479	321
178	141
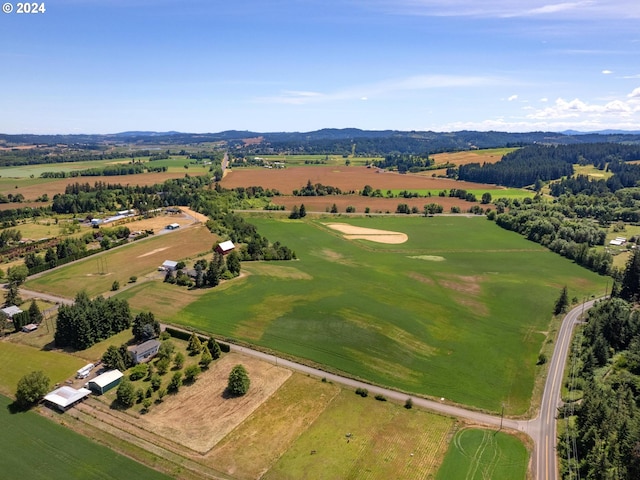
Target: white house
145	351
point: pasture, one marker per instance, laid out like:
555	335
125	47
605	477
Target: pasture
315	160
363	438
468	327
477	454
96	274
17	360
36	448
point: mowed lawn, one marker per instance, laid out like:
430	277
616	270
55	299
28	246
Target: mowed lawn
478	454
18	360
96	274
458	311
35	448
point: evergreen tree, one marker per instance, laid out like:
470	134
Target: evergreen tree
303	211
206	358
34	313
239	382
214	348
630	288
145	326
562	303
195	345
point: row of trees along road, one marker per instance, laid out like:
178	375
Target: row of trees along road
604	440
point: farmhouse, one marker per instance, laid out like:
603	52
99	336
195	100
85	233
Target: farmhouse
65	397
225	247
169	265
106	381
145	351
11	311
172	226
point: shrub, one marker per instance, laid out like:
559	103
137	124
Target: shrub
115	285
126	393
191	373
139	371
175	383
363	392
408	404
380	398
133	279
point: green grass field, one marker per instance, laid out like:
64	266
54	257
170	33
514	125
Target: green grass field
479	454
510	193
36	448
467	327
96	274
18	360
363	438
335	160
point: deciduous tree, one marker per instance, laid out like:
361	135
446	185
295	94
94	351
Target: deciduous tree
31	388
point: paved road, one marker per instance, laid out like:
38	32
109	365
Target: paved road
544	432
541	429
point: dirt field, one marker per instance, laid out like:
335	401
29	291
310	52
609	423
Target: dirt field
381	236
345	178
200	415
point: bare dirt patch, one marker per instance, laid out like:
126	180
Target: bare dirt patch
157	250
469	285
200	415
421	278
351	232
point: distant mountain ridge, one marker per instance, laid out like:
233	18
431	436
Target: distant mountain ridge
329	140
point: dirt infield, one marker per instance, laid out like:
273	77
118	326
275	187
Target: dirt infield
351	232
200	415
345	178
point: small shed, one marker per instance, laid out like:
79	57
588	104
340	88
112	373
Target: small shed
145	351
11	311
225	247
169	265
106	381
172	226
66	397
30	327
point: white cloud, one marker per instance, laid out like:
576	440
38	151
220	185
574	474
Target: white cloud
512	98
607	72
581	9
383	88
635	93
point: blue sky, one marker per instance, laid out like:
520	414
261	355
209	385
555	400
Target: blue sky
106	66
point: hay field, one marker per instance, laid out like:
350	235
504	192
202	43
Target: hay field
467	328
96	274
